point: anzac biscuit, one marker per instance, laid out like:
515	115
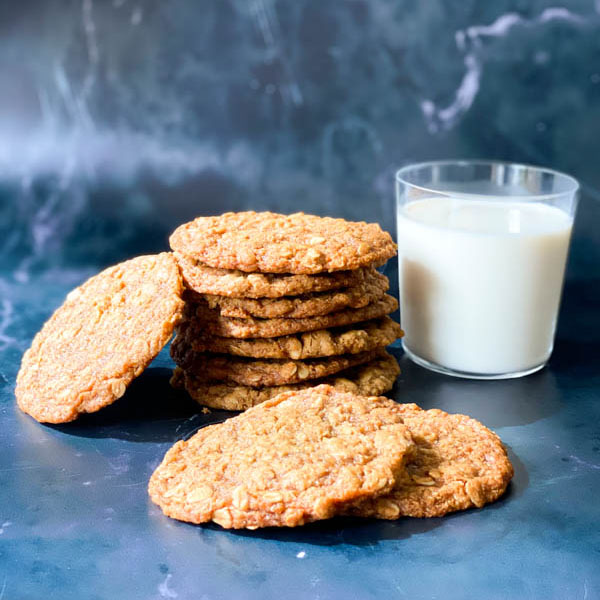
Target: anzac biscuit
292	460
371	379
458	463
203	318
372	289
103	336
274	243
350	339
237	284
258	373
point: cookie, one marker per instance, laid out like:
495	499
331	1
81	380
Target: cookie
203	318
350	339
289	461
370	290
273	243
256	372
458	464
237	284
371	379
103	336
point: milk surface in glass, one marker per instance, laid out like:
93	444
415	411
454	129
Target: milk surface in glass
480	281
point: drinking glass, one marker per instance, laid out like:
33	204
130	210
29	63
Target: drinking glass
482	249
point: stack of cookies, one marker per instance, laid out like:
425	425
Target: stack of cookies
278	303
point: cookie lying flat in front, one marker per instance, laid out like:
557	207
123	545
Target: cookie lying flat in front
286	462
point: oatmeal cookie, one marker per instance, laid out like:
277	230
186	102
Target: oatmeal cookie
371	379
202	318
103	336
458	464
351	339
370	290
237	284
289	461
258	373
273	243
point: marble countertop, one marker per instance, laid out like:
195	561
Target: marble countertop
76	522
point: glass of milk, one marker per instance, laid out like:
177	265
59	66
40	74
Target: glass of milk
482	248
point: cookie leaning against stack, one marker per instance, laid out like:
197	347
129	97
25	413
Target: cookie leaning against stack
279	303
103	336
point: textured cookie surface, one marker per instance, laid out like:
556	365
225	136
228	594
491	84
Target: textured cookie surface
206	319
351	339
288	461
458	464
261	372
103	336
370	290
371	379
274	243
237	284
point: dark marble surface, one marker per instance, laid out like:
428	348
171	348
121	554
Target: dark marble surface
76	522
119	120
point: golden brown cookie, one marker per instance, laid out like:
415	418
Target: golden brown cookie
371	379
237	284
289	461
274	243
374	286
203	318
258	373
350	339
104	335
459	463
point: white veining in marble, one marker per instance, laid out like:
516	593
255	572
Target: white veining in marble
470	42
164	590
93	51
4	526
267	22
6	319
137	15
583	463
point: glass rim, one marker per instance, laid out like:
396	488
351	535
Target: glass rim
402	171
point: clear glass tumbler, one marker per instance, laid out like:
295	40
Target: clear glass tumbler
482	249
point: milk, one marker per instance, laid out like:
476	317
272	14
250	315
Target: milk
480	282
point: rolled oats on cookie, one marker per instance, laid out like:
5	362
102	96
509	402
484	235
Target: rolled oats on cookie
348	339
373	288
205	319
103	336
263	372
237	284
281	302
371	379
289	461
458	463
273	243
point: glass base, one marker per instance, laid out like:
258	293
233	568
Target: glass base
465	374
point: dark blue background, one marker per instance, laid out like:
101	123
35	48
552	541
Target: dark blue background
121	119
